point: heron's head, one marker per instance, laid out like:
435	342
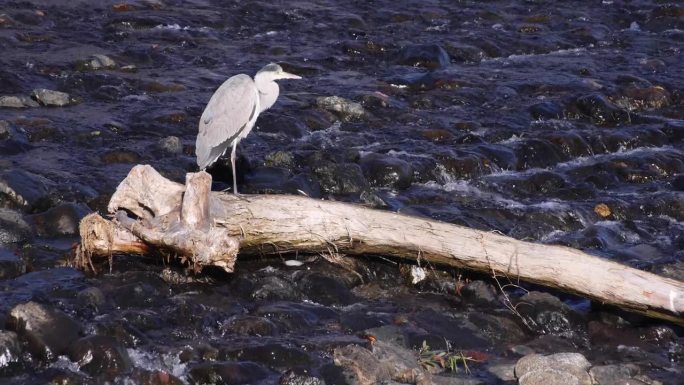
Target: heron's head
275	72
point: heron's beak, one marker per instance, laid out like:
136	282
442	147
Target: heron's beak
287	75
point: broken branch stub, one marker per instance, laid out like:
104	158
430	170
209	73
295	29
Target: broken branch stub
274	224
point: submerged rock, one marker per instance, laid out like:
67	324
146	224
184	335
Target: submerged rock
100	356
340	178
170	145
52	98
601	110
430	56
546	314
387	171
292	378
48	331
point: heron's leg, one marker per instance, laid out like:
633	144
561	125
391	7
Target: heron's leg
232	163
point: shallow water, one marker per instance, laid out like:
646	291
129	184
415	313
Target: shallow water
521	117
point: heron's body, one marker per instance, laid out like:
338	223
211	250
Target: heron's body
232	112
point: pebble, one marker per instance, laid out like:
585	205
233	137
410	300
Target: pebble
51	98
49	331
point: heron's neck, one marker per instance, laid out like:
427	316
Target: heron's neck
268	91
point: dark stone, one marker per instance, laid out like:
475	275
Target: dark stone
324	289
170	145
274	287
91	297
10	349
387	171
48	331
430	56
466	166
24	189
532	153
677	182
357	319
228	373
13	228
480	293
11	265
249	326
340	178
546	110
282	124
304	183
266	180
60	220
100	356
359	366
295	316
463	53
274	356
601	110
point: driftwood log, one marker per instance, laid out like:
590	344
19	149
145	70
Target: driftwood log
207	228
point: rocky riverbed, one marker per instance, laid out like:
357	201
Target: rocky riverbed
556	122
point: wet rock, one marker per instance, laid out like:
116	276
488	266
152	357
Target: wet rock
295	316
437	135
345	109
613	374
100	356
91	297
340	178
282	124
387	171
465	166
10	349
504	372
17	102
677	182
227	373
463	53
154	377
249	326
26	190
48	331
325	289
292	378
52	98
304	183
275	356
547	314
11	264
480	293
266	180
560	368
120	156
275	287
430	56
601	110
170	145
60	220
13	228
532	153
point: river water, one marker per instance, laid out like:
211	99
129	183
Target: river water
556	122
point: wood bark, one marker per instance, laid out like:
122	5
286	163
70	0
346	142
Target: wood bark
278	224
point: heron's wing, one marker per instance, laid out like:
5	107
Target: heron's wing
229	110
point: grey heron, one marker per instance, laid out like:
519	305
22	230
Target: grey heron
232	111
